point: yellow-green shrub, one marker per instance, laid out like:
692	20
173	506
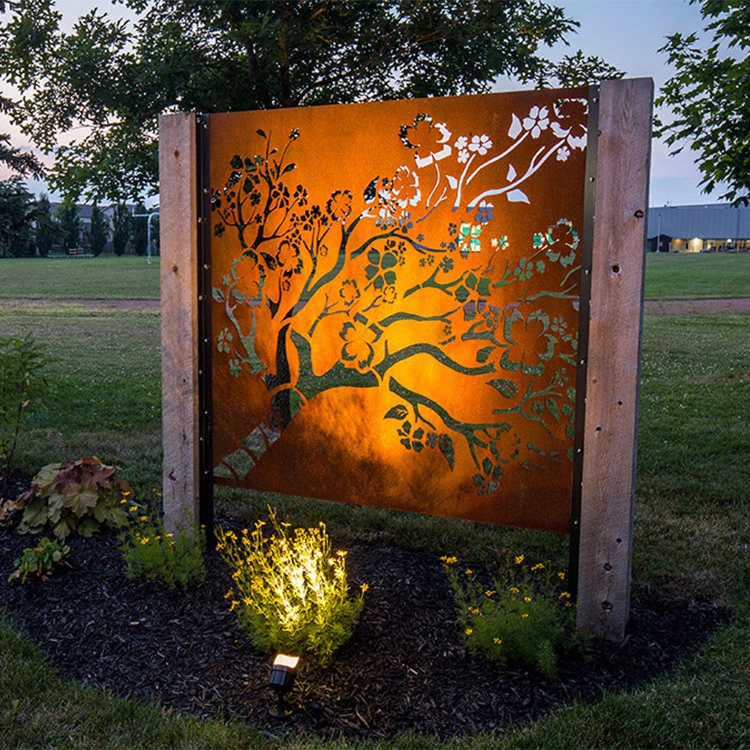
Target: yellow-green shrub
290	591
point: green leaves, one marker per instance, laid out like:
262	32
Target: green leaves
716	79
22	385
74	496
115	79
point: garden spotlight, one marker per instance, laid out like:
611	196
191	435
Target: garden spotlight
283	672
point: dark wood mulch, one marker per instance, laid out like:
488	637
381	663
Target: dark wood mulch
404	669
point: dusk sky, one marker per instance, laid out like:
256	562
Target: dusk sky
626	33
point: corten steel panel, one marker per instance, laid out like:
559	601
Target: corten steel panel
395	302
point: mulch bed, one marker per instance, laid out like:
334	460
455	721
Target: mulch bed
404	669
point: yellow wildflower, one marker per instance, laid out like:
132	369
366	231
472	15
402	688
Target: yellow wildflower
490	593
497	641
364	587
449	560
564	595
513	590
144	540
469	571
519	559
527	599
538	566
133	508
469	631
561	575
143	518
524	615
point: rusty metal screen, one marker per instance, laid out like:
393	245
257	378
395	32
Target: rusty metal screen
395	302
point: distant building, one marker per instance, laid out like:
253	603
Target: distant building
698	229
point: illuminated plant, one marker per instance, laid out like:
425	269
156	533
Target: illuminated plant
77	496
290	591
524	617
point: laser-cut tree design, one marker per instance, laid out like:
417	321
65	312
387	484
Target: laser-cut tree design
369	268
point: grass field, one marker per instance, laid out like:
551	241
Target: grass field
692	529
697	275
106	277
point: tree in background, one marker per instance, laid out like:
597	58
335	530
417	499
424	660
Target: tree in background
140	230
710	97
16	216
47	229
212	56
121	228
99	232
70	225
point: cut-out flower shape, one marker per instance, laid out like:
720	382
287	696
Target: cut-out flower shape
249	275
339	205
563	233
485	212
481	144
349	292
469	235
359	336
405	187
572	114
537	121
429	140
531	343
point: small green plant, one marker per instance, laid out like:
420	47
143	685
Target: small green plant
21	388
290	591
77	496
149	550
39	561
523	617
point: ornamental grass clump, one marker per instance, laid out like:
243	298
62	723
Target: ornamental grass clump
290	590
150	551
523	617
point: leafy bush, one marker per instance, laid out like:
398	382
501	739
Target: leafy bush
149	550
21	388
39	561
290	592
522	617
77	496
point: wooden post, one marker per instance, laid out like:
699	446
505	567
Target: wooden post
178	198
613	363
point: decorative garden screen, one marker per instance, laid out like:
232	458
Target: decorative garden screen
395	302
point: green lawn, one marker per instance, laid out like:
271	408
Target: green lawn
106	277
697	275
692	533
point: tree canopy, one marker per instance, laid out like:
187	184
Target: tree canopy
710	98
116	77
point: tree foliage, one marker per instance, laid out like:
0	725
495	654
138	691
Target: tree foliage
47	229
710	98
121	228
99	230
212	55
70	224
17	211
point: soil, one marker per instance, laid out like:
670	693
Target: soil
405	667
